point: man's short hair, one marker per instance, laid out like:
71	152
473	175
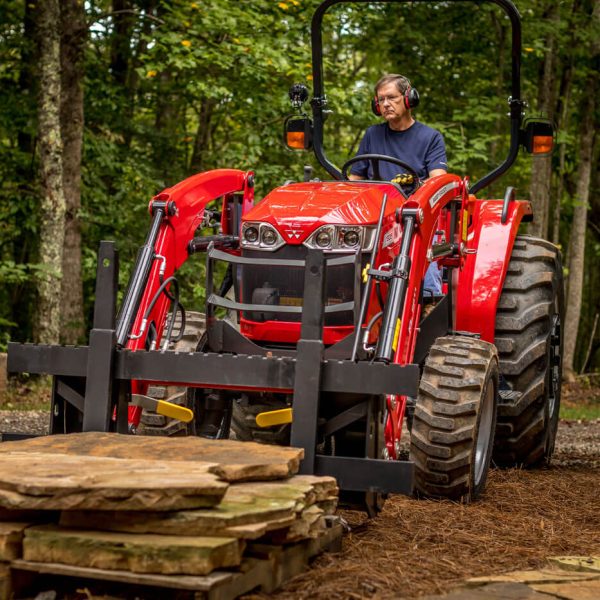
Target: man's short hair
402	83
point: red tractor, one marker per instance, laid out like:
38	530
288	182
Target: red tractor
321	335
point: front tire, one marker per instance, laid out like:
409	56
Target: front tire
453	427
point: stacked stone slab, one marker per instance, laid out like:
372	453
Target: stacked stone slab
96	504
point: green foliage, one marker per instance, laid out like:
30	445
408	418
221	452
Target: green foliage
181	86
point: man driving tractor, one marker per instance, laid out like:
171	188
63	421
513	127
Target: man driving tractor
401	136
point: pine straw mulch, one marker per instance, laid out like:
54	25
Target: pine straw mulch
417	547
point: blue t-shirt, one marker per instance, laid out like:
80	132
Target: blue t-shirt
420	146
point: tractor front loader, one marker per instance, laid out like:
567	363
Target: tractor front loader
321	333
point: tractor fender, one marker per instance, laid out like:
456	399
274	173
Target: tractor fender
489	247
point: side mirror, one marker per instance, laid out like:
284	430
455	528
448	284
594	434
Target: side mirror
537	137
297	132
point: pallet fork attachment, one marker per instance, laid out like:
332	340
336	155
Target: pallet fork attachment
91	384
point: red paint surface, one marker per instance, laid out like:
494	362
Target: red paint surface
303	207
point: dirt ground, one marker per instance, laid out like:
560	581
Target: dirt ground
419	547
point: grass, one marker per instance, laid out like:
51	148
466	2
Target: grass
581	400
27	393
581	412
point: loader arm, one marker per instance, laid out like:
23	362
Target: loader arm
177	213
440	199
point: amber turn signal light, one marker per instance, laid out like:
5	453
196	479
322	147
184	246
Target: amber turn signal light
297	132
542	144
537	136
295	140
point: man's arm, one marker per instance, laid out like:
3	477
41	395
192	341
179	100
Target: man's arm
355	177
436	172
435	157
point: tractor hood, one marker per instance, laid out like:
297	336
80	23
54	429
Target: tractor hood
303	207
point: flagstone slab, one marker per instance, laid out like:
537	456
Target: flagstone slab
230	460
246	510
579	590
551	575
192	555
41	481
577	563
11	538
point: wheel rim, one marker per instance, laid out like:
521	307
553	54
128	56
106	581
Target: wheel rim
484	433
555	369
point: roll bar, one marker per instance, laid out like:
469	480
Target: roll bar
319	100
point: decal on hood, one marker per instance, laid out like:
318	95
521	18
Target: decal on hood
440	193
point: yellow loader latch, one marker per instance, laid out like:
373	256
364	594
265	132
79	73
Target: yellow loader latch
162	407
274	417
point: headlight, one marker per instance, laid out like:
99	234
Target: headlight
260	236
341	238
351	238
324	238
268	236
251	235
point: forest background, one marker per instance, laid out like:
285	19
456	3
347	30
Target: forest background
105	103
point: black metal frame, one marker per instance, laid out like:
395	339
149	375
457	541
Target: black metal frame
91	383
516	104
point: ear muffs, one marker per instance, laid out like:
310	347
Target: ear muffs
375	106
411	97
411	100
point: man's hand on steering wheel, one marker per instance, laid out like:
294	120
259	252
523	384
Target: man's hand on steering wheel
374	159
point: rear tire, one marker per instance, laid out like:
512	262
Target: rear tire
529	342
453	427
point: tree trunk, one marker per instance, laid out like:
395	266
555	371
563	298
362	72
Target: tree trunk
562	124
52	206
24	245
500	124
74	32
563	113
578	228
202	139
541	170
120	65
120	51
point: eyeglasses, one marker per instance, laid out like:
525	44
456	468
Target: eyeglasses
391	99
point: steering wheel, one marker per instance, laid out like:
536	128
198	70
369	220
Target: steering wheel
374	159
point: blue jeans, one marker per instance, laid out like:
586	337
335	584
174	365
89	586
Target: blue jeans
433	281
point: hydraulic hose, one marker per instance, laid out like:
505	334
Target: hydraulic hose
176	306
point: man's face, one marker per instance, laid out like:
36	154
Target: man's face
391	102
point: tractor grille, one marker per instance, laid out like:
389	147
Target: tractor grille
285	286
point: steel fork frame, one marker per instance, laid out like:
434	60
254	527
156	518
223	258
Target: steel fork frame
91	383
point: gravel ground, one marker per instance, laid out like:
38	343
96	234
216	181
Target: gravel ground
24	421
577	442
